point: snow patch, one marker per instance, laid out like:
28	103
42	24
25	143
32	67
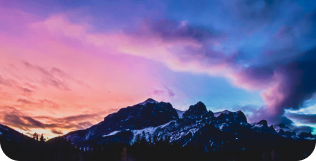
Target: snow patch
278	128
224	112
222	126
148	101
112	133
148	132
180	113
257	125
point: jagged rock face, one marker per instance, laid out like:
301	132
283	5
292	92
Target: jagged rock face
160	119
263	122
262	127
9	133
197	111
142	115
272	129
234	117
241	116
282	127
149	113
287	134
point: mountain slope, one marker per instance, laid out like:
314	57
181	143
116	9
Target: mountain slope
149	113
214	131
10	133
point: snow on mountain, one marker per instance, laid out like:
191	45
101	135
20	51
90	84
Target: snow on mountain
262	127
282	127
197	111
285	131
149	113
112	133
180	113
147	132
151	118
149	100
237	117
224	112
11	133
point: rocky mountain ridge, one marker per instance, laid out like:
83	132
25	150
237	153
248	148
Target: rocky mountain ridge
152	119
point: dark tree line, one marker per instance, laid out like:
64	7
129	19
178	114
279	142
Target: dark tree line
153	149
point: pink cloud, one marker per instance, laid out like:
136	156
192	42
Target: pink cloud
273	97
77	67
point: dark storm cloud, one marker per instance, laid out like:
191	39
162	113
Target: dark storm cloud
174	30
258	10
290	79
299	129
299	82
296	83
288	72
291	69
303	118
255	114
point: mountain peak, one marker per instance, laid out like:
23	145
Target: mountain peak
199	107
263	122
149	100
197	111
222	112
237	116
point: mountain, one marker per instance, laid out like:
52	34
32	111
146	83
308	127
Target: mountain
197	125
149	113
11	133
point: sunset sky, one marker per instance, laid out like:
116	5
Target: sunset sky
66	64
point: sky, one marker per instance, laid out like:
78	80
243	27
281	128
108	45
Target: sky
65	64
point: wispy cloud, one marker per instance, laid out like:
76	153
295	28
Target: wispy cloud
70	65
18	119
54	131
